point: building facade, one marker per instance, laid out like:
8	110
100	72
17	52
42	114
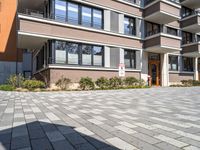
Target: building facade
79	38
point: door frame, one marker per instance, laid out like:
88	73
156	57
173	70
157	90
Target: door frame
157	63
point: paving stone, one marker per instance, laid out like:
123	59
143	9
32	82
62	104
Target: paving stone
20	142
61	145
55	136
41	144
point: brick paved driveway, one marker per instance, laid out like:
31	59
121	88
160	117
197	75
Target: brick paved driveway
147	119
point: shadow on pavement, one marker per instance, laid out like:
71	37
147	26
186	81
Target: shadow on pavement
47	136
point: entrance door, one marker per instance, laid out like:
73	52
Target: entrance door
154	72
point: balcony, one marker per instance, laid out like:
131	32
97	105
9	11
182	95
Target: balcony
191	49
162	43
193	4
162	11
191	23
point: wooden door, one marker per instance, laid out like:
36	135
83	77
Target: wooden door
154	72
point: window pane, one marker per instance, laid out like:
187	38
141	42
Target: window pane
127	59
187	64
129	25
60	52
86	55
98	55
86	16
73	53
60	10
173	63
73	13
97	18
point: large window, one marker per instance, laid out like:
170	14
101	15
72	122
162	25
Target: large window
152	28
60	48
86	55
60	10
187	38
78	14
73	53
78	54
188	64
73	13
130	58
186	12
129	26
173	63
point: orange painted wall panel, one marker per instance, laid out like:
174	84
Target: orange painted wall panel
8	35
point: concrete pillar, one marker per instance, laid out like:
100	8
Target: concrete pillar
196	72
121	23
144	65
121	56
107	20
164	70
106	57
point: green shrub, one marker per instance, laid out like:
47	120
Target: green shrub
86	84
130	81
141	83
33	84
196	83
102	83
188	83
115	82
16	80
63	83
6	87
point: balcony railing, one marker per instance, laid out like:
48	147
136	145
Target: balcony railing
35	13
196	12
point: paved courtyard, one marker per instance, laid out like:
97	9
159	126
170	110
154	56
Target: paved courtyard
145	119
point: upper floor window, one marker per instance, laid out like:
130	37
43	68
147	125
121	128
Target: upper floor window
187	38
152	28
186	11
172	31
188	64
173	63
130	58
73	13
129	26
78	14
131	1
60	10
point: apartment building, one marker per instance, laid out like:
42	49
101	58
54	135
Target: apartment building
156	39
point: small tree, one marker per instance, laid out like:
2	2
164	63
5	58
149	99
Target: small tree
63	83
16	80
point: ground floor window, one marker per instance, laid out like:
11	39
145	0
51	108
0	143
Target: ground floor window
78	54
130	58
173	63
188	64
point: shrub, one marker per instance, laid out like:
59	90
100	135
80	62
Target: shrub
33	84
86	84
102	82
141	83
16	80
63	83
6	87
190	83
115	82
130	81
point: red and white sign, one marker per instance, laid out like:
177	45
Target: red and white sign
121	70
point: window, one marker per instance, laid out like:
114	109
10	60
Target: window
173	63
188	64
97	19
152	28
129	26
73	53
130	58
60	10
86	18
86	55
186	12
131	1
172	31
78	54
187	38
60	48
98	55
73	12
